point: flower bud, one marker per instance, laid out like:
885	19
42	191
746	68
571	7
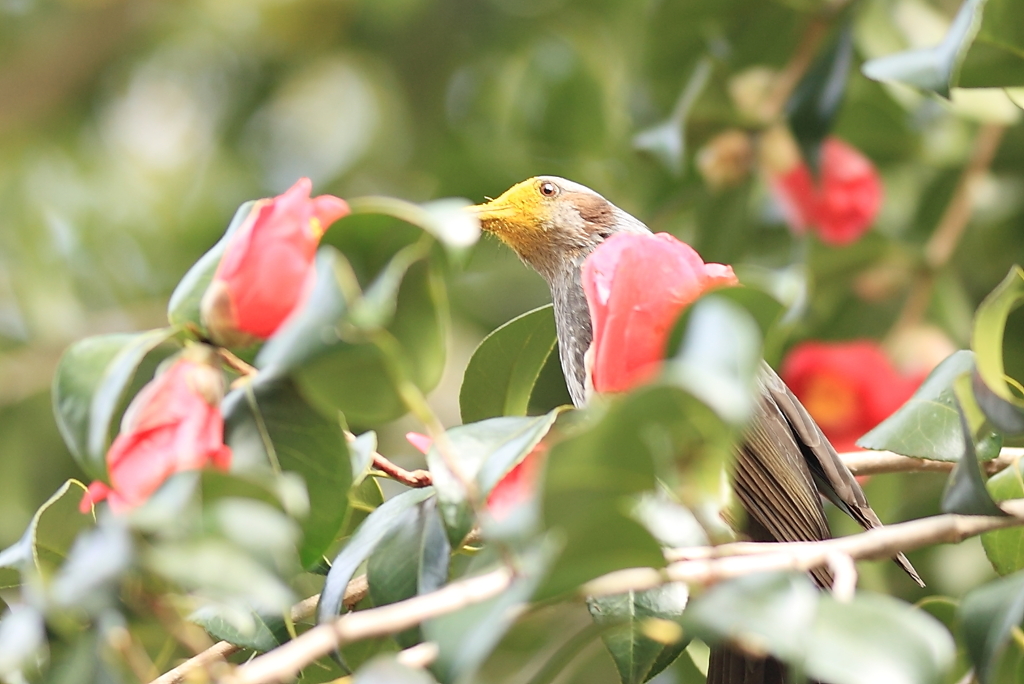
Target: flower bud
267	268
840	205
636	287
726	159
173	424
847	387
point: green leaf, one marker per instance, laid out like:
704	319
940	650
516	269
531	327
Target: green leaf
446	219
503	370
467	636
815	102
965	491
412	559
666	141
872	638
935	68
594	476
222	572
22	639
1005	548
928	425
637	656
361	450
90	385
484	453
719	357
366	538
987	340
996	58
183	306
988	615
249	630
89	579
387	670
270	423
337	364
44	546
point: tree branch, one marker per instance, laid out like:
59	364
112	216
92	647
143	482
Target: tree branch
703	565
879	462
217	654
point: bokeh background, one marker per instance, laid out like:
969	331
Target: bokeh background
130	130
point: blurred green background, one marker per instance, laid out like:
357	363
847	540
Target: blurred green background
131	130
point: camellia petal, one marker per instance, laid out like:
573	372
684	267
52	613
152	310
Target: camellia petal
848	387
636	287
266	266
842	205
174	424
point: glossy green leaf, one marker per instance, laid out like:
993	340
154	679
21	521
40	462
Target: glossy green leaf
89	579
446	219
252	631
987	342
873	638
361	450
467	636
928	425
965	491
483	453
46	542
934	68
816	100
996	58
338	365
270	423
719	357
1005	548
90	386
666	141
987	616
386	670
412	559
221	572
637	656
366	538
503	370
183	306
593	477
22	639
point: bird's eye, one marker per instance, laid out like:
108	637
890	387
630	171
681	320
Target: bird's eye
548	189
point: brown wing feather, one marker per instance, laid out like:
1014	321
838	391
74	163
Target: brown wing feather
831	476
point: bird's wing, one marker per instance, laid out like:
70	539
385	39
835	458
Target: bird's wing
831	476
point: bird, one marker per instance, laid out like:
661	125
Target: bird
784	464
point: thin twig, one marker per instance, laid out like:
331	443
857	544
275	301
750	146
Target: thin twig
285	662
236	364
950	229
217	654
410	478
879	462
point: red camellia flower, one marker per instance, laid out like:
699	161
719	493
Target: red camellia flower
516	487
844	201
636	286
265	272
173	424
848	387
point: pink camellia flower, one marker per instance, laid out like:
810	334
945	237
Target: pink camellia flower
844	201
847	387
516	487
636	286
267	266
174	424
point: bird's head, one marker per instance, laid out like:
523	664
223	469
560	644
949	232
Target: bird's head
552	223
